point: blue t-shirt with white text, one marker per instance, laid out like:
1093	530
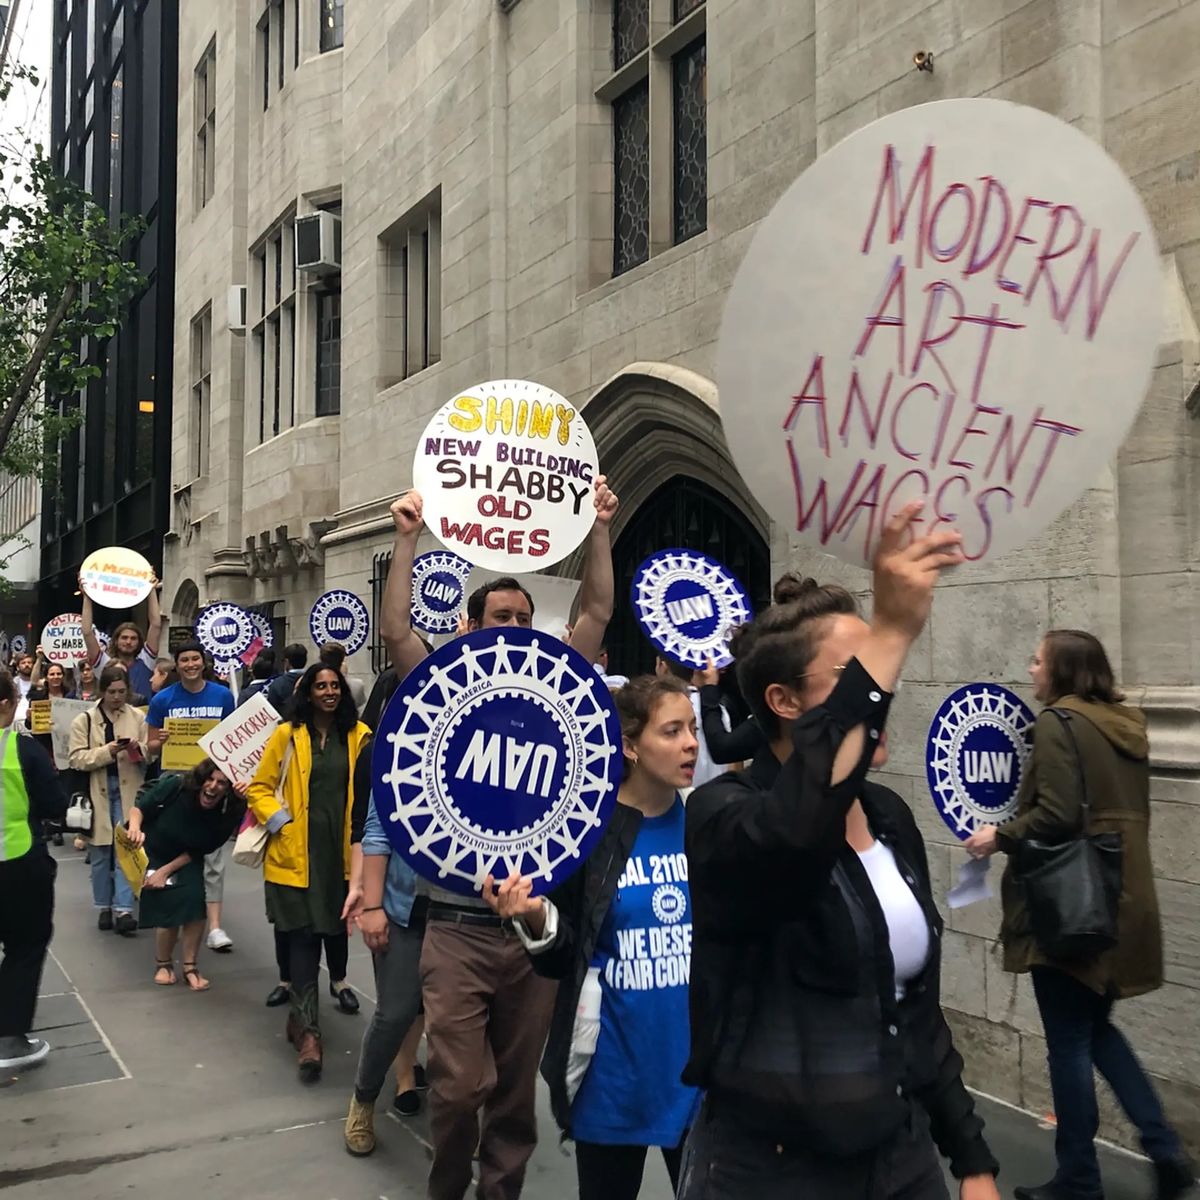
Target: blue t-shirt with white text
631	1094
213	701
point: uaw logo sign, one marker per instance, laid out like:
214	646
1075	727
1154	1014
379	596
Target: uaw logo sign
978	746
19	644
688	604
439	585
262	629
500	752
225	631
340	616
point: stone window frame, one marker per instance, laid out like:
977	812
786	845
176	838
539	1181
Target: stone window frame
676	26
332	19
409	280
200	407
275	29
205	121
272	299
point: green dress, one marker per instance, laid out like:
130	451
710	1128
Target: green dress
319	906
175	823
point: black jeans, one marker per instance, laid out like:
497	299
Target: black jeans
1081	1039
726	1161
26	926
615	1172
337	955
304	957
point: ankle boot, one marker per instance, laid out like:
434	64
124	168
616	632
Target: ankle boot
309	1056
1175	1178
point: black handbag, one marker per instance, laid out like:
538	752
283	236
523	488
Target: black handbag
1073	889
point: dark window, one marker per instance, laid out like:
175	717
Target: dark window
116	135
264	54
333	21
380	565
295	33
329	353
690	150
281	56
631	29
631	192
683	7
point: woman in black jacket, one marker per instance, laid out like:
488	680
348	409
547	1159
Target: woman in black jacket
817	1032
618	935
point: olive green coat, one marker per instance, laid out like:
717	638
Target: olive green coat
1115	753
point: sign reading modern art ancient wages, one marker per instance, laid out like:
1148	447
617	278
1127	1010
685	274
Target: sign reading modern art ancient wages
506	470
960	304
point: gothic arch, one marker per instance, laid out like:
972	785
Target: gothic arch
186	603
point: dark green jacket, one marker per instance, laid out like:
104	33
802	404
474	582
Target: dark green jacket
1115	754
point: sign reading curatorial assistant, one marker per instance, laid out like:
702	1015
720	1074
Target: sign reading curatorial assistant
960	303
688	604
505	471
500	752
978	745
340	616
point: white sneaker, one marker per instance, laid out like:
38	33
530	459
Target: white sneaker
16	1052
219	941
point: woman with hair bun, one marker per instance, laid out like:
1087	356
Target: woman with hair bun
179	820
617	934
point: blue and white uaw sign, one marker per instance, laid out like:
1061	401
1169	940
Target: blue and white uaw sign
500	752
262	629
19	644
225	630
978	745
688	605
439	585
340	616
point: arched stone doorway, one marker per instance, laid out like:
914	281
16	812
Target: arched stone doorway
186	603
658	432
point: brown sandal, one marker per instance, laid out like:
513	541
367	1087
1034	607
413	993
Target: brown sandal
190	974
167	965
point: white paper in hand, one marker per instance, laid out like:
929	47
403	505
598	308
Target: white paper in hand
972	885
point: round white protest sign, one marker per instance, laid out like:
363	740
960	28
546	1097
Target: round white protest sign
116	577
340	616
62	639
262	629
505	470
225	630
959	303
19	644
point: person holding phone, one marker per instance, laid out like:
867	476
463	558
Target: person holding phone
108	742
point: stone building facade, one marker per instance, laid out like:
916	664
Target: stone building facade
468	148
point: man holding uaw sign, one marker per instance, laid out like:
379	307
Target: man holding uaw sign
484	760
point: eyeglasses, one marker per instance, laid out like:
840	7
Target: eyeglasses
824	671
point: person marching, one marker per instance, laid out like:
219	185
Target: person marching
817	1033
126	647
617	935
311	757
486	1011
180	819
1088	744
30	795
111	743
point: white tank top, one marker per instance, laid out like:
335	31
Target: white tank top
908	932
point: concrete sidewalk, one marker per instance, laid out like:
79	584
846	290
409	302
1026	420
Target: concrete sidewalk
157	1091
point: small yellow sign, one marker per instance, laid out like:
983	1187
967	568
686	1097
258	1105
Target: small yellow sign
182	750
39	716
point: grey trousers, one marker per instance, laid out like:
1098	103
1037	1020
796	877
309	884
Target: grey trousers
398	991
214	874
725	1161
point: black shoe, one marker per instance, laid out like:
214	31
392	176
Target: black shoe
126	925
407	1104
1175	1178
347	1000
58	839
420	1081
1052	1191
278	995
105	922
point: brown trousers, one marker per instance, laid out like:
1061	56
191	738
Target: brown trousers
486	1019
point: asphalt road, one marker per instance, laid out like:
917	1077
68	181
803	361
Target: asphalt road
154	1091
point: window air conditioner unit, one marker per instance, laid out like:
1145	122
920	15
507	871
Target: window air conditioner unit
237	308
319	243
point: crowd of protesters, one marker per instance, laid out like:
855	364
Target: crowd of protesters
783	1036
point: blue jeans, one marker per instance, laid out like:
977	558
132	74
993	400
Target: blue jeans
1080	1036
110	888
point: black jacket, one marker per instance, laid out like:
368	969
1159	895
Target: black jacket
734	745
583	903
796	1029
